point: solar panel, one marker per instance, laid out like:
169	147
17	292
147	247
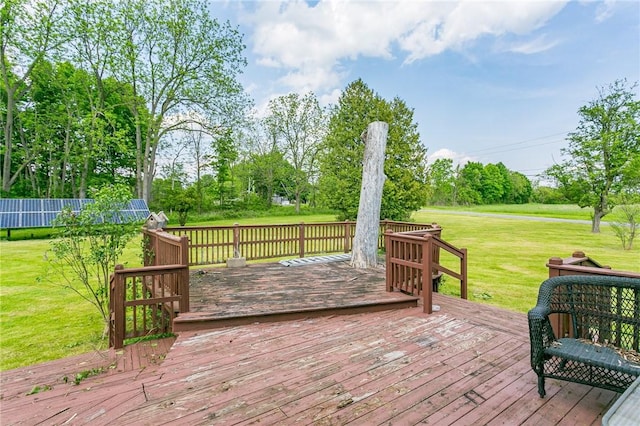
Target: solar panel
41	212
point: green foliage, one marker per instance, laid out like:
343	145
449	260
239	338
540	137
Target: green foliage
626	228
297	125
266	175
441	179
603	152
469	183
71	138
90	244
29	32
79	377
341	159
475	184
520	187
182	202
548	195
72	125
37	389
224	154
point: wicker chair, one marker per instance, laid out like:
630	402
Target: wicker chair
602	347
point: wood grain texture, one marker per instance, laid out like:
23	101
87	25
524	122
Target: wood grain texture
467	364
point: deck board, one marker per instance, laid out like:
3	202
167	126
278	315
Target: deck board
467	364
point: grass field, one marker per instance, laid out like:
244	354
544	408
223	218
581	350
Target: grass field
40	320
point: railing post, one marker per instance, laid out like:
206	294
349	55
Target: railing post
236	240
427	268
463	272
184	275
117	315
553	262
347	236
301	239
388	266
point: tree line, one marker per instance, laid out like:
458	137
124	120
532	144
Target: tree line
146	93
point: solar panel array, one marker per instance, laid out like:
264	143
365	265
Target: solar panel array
40	212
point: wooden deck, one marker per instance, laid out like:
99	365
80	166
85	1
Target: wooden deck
467	364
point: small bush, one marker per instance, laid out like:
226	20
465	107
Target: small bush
625	228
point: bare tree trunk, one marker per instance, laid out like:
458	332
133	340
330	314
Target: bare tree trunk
365	241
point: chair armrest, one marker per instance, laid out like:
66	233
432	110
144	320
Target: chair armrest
540	334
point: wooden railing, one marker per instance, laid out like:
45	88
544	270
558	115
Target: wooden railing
209	245
413	263
577	264
145	300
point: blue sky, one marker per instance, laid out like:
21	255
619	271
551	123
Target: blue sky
498	81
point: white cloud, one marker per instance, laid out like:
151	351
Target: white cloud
605	10
537	45
457	158
311	42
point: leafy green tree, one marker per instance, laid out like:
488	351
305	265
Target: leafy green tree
65	145
520	189
547	195
492	186
177	58
224	155
30	31
341	159
602	151
181	201
90	244
298	124
469	183
441	180
267	175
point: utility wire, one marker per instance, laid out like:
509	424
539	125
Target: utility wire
521	143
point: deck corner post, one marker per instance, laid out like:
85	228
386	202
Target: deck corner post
117	320
427	268
184	279
387	256
463	272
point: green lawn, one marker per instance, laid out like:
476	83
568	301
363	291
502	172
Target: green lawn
507	257
40	320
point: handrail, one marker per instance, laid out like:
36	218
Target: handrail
210	245
413	257
578	264
145	299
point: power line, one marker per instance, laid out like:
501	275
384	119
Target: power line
521	143
521	147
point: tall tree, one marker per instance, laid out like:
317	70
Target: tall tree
602	151
441	179
180	60
223	158
298	125
30	30
520	189
492	185
341	160
93	40
469	183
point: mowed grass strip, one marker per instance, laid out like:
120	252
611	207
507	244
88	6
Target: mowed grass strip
40	320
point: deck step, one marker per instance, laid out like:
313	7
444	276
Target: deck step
197	321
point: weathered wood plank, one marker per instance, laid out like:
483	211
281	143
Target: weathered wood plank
466	364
